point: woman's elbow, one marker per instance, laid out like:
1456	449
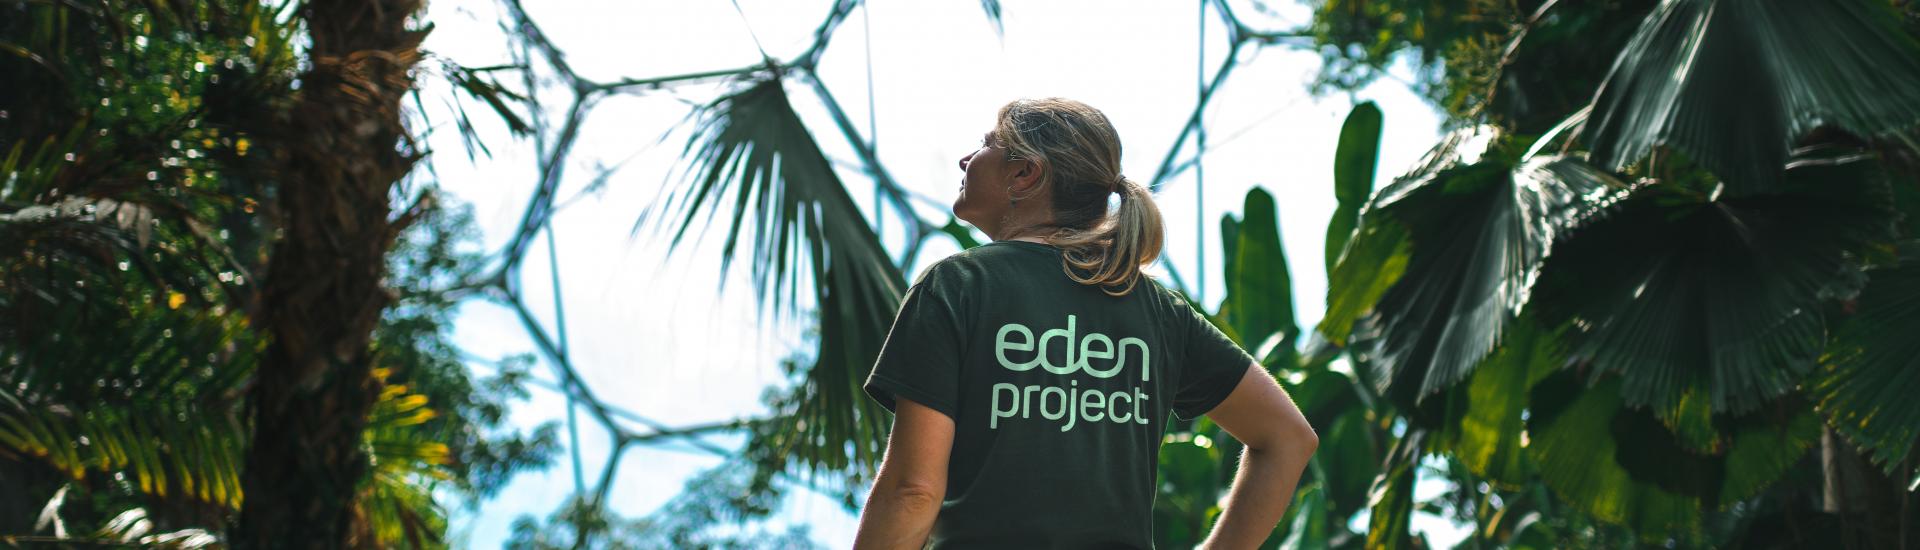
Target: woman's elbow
915	498
1300	441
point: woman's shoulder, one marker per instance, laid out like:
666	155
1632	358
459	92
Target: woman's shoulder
1163	294
991	255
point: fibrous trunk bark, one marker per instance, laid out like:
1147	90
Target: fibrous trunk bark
339	155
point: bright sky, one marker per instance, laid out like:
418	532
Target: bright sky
657	336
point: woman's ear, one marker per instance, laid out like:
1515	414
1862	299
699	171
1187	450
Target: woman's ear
1025	176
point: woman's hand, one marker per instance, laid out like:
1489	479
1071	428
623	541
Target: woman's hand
907	493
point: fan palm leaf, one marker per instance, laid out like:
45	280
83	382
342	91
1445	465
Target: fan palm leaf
1374	256
1478	235
1871	370
1719	294
1734	84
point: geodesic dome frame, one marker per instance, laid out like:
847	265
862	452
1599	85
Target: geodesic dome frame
554	140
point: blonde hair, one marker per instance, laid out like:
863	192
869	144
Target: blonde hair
1078	153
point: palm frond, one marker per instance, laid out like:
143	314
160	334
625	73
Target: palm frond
1715	293
123	357
398	498
1479	233
992	7
1376	255
128	528
752	145
1735	84
1867	380
178	451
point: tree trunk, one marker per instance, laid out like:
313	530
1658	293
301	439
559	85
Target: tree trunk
1869	503
339	157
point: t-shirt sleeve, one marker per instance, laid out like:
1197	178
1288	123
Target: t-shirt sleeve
920	360
1212	365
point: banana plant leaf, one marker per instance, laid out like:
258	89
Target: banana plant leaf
1570	437
1625	466
1354	163
1489	438
1678	291
752	145
1868	378
1734	84
1259	302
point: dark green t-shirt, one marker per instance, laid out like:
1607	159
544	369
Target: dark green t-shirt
1058	391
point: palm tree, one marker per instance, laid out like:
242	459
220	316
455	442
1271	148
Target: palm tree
141	148
341	153
1665	263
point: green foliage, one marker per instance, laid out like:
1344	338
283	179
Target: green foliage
1354	162
1721	294
1547	66
1868	376
1479	235
1259	302
1488	441
960	233
1189	474
1644	353
430	268
1358	39
1572	439
1390	501
733	493
131	226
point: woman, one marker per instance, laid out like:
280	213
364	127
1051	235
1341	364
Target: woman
1031	377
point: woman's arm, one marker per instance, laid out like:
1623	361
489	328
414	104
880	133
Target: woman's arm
1279	441
912	482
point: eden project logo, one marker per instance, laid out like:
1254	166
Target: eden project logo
1095	354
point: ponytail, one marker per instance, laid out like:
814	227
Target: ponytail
1113	253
